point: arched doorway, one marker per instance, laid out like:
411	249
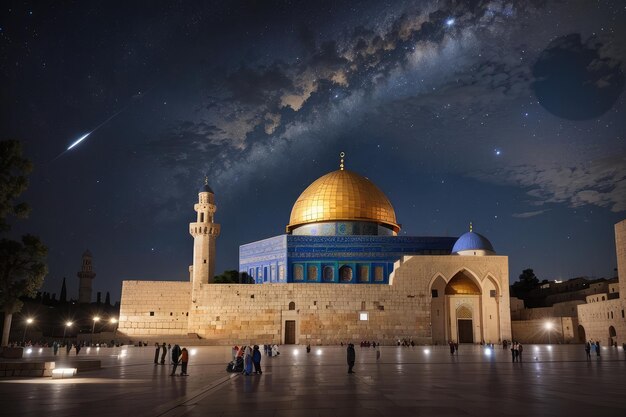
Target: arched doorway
612	336
465	324
463	297
582	335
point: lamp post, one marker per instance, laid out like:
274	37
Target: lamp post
548	327
67	324
93	328
114	323
26	323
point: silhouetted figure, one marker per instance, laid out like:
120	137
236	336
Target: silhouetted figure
77	348
68	347
163	354
55	348
156	353
588	350
175	358
597	348
351	357
184	361
256	360
308	348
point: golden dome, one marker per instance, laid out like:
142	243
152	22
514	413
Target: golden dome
462	284
342	196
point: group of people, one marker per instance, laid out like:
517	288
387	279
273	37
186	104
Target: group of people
178	357
516	351
592	345
454	347
251	357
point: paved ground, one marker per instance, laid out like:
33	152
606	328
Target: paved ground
419	381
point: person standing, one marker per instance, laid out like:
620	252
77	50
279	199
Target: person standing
588	350
520	349
351	357
156	353
247	361
598	348
77	349
184	361
451	344
164	348
513	352
55	347
175	359
235	349
68	347
377	352
256	360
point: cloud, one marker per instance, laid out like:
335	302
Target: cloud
528	214
601	182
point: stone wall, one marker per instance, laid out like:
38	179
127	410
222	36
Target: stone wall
597	319
565	330
151	308
620	250
322	313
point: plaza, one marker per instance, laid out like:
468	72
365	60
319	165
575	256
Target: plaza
407	381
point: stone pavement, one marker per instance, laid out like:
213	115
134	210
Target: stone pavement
420	381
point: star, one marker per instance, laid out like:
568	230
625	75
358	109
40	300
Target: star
497	152
449	21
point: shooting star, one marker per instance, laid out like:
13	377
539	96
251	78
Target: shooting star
86	135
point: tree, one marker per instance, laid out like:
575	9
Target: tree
233	277
63	296
527	282
22	263
14	169
22	270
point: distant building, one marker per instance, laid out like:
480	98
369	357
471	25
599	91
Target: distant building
602	317
85	276
576	310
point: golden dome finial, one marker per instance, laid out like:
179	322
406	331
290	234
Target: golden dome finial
342	155
471	227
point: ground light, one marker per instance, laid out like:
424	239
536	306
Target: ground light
61	373
549	325
426	351
319	352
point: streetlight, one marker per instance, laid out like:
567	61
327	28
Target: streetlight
67	324
28	321
549	327
95	320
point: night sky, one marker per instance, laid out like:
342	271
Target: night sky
507	114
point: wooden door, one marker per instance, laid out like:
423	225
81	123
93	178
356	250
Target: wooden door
466	331
290	332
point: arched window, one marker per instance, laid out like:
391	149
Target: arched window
292	306
329	274
379	274
298	272
311	273
345	274
364	272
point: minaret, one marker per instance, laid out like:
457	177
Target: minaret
204	233
85	276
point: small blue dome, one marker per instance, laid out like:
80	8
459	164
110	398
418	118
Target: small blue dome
472	241
206	189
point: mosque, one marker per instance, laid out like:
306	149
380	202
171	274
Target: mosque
339	273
